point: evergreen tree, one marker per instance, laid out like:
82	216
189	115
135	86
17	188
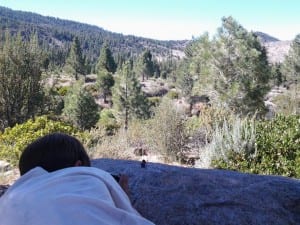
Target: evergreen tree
200	64
236	65
87	112
185	81
243	68
81	108
75	61
105	81
277	74
128	98
106	60
71	102
291	64
105	67
20	76
146	65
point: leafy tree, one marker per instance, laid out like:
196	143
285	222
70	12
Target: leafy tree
128	97
106	60
81	108
20	76
75	60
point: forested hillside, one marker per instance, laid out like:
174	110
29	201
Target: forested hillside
56	36
130	97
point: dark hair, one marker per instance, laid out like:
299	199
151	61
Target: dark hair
53	152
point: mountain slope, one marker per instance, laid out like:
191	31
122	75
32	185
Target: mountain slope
276	49
263	37
58	34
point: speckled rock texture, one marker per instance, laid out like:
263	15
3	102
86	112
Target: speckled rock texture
171	195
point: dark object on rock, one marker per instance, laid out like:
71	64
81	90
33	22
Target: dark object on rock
208	196
143	163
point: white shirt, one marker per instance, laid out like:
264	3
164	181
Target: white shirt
71	196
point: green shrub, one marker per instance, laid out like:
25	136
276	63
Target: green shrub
278	146
154	101
108	121
277	149
234	136
172	94
165	131
288	102
14	140
62	91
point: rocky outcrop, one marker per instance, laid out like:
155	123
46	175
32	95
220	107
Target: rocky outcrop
171	195
154	88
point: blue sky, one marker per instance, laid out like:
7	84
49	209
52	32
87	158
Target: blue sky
172	19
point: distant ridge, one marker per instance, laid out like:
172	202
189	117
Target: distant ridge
57	35
276	49
265	37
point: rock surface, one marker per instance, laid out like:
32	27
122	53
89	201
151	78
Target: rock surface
171	195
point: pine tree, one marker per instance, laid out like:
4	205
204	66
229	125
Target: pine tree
200	64
291	64
237	65
20	76
128	97
81	108
87	112
185	81
105	67
146	65
75	60
106	60
277	74
105	81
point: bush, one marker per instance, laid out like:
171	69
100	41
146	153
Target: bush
278	146
288	102
234	136
154	101
116	146
165	131
173	94
277	149
108	121
62	91
14	140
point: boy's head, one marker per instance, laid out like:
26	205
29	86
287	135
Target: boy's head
53	152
